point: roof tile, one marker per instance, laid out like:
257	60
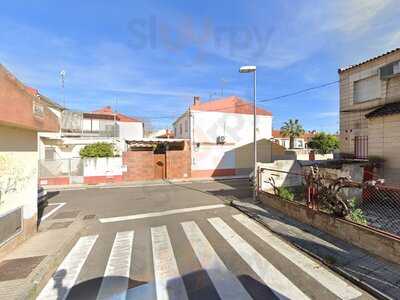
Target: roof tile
231	104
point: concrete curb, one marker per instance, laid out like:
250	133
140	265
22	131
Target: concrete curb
362	285
48	266
138	184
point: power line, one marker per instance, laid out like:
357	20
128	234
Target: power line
298	92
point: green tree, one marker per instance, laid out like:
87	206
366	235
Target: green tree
97	150
292	129
324	143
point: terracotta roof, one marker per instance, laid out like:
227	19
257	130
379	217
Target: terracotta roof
385	110
231	104
367	61
107	111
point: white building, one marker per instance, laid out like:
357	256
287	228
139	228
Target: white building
221	134
80	129
299	142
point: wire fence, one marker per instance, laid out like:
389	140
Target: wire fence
370	203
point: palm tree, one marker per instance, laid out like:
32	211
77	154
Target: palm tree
292	129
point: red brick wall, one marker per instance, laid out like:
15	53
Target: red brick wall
140	165
179	163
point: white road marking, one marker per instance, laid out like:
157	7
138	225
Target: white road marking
115	281
226	284
281	286
160	214
333	283
145	291
59	286
52	211
169	283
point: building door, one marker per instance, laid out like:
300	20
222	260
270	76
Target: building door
159	166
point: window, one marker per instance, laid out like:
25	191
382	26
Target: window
361	147
300	144
180	129
186	126
367	89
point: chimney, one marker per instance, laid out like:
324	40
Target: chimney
196	100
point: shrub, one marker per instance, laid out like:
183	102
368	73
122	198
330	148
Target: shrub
356	214
324	143
97	150
285	193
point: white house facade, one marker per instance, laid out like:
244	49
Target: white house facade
80	129
221	134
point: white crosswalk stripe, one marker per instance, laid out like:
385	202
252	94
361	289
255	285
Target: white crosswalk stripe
281	286
333	283
115	281
226	284
59	286
169	283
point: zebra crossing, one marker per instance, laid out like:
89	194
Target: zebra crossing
169	282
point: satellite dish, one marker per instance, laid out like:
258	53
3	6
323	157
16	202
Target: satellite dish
63	73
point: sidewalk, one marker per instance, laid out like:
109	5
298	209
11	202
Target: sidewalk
377	276
26	269
139	183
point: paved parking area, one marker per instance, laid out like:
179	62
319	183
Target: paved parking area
181	241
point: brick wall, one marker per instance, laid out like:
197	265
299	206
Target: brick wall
140	165
179	163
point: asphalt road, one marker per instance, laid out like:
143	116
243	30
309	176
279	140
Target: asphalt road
181	241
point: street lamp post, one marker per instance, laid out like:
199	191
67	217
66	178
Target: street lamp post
253	69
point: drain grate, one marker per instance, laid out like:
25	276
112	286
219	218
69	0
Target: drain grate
66	215
19	268
89	217
59	225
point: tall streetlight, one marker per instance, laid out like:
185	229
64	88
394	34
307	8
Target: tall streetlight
253	69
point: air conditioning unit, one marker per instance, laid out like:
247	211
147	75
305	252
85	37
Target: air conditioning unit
221	139
390	70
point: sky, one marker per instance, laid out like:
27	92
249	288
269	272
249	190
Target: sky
149	58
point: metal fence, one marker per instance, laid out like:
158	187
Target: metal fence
370	203
60	168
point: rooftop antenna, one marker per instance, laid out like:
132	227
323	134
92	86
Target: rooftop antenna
223	83
62	75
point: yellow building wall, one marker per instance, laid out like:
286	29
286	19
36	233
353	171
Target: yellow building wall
352	114
18	173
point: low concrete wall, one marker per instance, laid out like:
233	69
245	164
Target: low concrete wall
373	241
102	166
282	178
